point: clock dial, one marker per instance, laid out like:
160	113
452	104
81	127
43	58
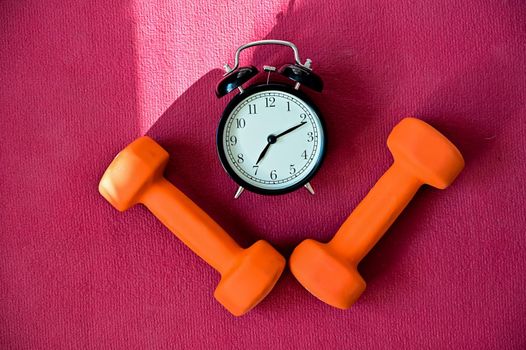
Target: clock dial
272	140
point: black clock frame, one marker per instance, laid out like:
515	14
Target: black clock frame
233	104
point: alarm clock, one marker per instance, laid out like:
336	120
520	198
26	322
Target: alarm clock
271	137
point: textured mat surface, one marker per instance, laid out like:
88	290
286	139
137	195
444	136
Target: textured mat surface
81	79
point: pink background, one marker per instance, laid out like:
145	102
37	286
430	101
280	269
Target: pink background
81	79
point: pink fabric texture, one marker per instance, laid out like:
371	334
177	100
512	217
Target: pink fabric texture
79	80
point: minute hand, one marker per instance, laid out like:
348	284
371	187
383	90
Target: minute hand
290	130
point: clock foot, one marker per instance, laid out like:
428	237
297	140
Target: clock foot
238	192
309	188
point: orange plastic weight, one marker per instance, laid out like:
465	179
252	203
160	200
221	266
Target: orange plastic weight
136	176
421	155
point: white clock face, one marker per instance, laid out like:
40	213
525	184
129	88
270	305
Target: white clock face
272	140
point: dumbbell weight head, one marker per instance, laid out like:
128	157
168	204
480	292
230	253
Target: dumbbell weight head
425	153
252	276
132	170
325	274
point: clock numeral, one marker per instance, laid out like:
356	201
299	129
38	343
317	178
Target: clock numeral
288	106
252	109
233	140
255	168
269	102
240	158
273	175
240	123
310	136
292	169
303	116
304	155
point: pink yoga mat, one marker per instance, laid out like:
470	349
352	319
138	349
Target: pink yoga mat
79	80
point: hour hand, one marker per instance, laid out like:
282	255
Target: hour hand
263	152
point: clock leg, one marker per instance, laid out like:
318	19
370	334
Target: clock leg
238	192
309	188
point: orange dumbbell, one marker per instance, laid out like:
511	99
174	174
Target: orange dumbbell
136	176
421	156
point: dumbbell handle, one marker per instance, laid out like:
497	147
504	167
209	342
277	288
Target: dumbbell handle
375	213
191	224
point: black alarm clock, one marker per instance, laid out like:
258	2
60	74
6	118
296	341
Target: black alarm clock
271	137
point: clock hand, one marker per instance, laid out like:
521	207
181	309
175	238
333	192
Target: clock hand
290	130
263	152
273	138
